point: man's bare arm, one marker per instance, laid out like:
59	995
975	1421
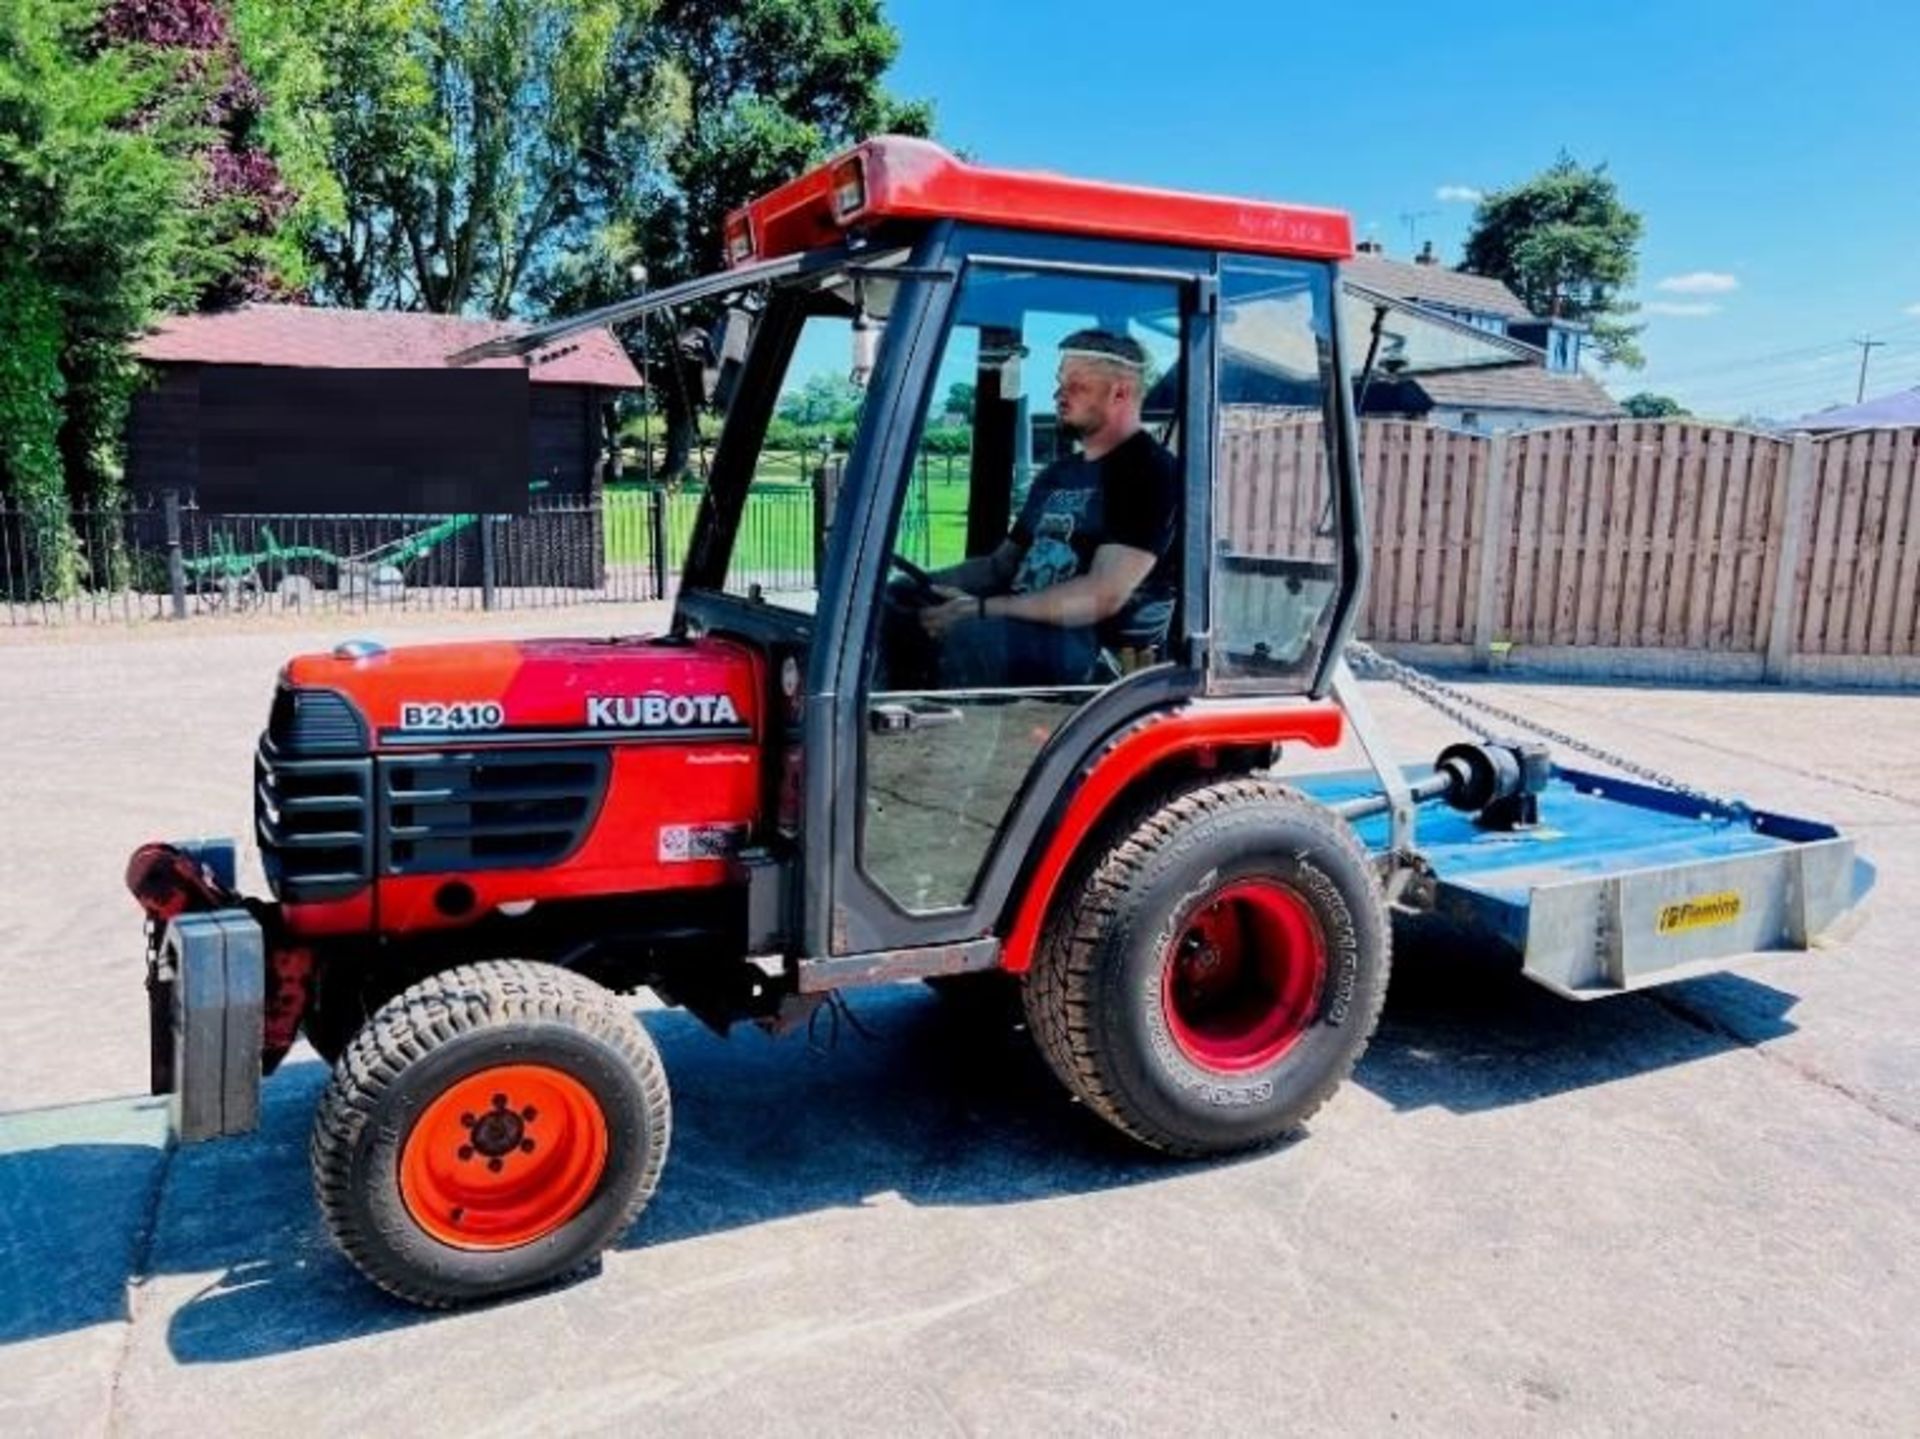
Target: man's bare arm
1102	592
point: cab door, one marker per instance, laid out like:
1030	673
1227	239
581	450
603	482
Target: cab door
945	776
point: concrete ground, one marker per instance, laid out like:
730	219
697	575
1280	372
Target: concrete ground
1696	1211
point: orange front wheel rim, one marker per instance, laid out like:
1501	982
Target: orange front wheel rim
503	1157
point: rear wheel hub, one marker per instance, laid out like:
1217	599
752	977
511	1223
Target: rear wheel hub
1242	980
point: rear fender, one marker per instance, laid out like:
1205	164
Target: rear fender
1152	752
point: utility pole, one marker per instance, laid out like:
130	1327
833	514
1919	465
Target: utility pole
1867	346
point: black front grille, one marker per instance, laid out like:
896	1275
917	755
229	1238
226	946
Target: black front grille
494	809
313	819
309	721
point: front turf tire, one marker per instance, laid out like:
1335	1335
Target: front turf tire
491	1129
1214	974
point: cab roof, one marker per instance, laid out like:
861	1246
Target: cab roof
894	177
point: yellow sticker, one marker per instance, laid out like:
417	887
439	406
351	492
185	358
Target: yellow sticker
1702	912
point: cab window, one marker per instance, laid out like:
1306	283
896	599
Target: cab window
1034	558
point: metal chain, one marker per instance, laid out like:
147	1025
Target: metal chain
1458	705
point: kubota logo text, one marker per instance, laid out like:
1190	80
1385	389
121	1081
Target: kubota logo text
658	711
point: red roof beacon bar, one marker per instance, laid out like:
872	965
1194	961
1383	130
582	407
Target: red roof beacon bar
894	178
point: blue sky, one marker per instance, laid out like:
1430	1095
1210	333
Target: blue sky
1772	149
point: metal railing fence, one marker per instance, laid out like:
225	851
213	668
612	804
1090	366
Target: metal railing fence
161	557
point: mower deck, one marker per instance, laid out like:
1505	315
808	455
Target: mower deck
1624	885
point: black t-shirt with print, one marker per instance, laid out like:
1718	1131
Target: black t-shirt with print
1129	496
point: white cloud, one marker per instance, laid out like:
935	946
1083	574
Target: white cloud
1913	310
1699	282
1691	309
1459	194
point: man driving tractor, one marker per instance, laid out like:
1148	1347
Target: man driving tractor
1090	562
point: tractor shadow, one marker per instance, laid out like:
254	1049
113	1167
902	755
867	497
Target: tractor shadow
924	1100
937	1101
1467	1034
927	1101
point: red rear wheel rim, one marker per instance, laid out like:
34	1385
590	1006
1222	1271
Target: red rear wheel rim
503	1157
1241	981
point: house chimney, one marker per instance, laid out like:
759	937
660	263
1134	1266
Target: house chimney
1426	255
1369	247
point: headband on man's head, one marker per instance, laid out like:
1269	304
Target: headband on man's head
1104	345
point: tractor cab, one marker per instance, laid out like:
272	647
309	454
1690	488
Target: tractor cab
943	303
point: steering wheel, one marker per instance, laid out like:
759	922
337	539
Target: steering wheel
923	581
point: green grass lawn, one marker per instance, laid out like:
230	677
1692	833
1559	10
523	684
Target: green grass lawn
777	534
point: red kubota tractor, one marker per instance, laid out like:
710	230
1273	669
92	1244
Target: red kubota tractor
475	848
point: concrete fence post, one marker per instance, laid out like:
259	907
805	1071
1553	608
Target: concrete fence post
176	557
1786	575
1493	551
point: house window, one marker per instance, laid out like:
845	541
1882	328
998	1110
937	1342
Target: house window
1563	353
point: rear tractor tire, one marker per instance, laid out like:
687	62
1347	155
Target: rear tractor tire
1217	970
491	1129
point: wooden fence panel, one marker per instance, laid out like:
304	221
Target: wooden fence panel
1709	464
1772	537
1863	570
1374	451
1634	537
1622	534
1666	487
1903	637
1730	613
1460	584
1439	480
1889	523
1762	465
1833	459
1525	463
1846	555
1423	490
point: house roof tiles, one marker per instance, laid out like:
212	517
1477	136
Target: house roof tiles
1434	285
1518	387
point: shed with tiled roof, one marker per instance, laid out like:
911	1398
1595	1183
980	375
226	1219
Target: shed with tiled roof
302	357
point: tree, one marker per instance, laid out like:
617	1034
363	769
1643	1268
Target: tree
144	168
743	95
94	174
825	399
535	156
960	400
1567	246
469	140
228	208
1648	406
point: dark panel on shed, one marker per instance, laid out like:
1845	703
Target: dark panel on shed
163	432
280	440
559	435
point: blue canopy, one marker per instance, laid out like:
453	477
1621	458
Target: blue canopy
1889	411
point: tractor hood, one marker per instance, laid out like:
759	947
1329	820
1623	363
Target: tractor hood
537	690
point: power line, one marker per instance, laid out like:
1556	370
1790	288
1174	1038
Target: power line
1820	374
1829	372
1801	395
1834	350
1837	347
1831	377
